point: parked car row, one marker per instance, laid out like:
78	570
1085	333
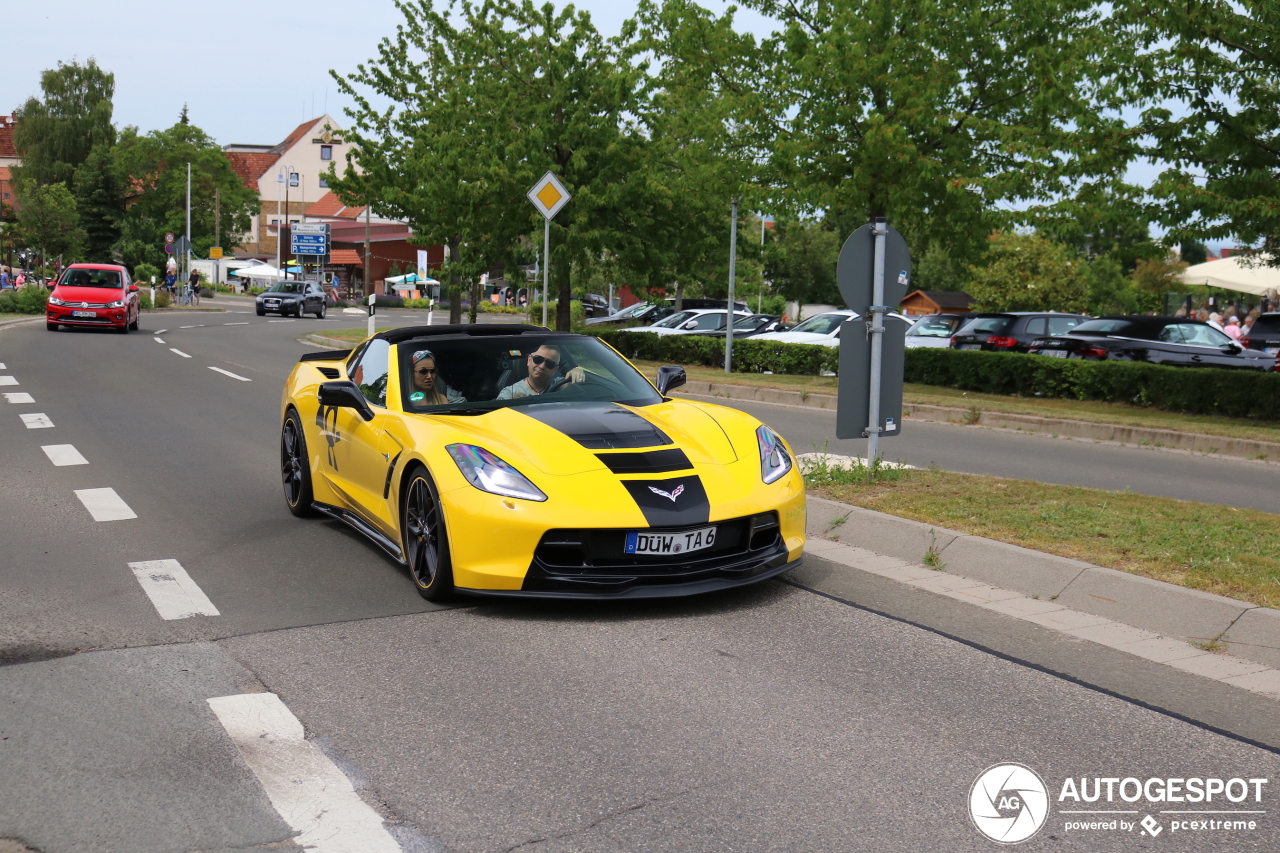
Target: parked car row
1158	340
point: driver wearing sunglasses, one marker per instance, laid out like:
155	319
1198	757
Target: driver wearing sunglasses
544	362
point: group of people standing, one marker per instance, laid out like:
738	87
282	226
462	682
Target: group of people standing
9	281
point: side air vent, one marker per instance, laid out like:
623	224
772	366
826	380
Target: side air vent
330	372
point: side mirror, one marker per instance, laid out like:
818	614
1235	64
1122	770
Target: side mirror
692	324
669	377
344	394
133	288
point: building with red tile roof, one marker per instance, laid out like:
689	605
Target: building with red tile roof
8	152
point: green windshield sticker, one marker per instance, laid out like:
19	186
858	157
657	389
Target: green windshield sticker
416	396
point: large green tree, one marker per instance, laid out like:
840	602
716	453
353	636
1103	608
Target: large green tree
1209	78
154	168
49	223
98	194
55	133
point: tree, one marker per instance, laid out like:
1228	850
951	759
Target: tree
933	113
99	202
56	134
801	261
1027	273
154	166
49	222
1209	76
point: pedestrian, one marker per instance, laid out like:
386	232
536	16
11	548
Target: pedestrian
1215	320
21	279
194	283
4	278
1233	327
1247	326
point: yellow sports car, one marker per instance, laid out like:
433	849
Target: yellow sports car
510	460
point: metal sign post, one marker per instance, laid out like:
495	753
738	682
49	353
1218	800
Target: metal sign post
872	346
548	196
733	274
372	308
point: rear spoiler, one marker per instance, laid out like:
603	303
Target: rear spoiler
327	355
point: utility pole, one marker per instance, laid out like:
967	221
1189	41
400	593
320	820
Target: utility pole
368	282
187	271
733	274
217	231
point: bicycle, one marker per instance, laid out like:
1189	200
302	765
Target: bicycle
185	295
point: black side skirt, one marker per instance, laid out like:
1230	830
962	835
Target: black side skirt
370	532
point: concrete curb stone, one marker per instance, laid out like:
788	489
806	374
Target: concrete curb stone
1147	606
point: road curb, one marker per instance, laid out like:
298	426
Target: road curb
1188	615
1118	433
36	319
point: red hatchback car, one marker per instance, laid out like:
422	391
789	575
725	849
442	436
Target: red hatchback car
94	295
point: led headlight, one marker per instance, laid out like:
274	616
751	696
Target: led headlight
53	300
119	303
488	473
774	459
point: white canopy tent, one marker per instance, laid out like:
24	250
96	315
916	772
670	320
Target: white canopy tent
259	271
1235	273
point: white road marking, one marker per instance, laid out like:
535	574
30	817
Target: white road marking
179	352
360	311
36	420
2	367
200	326
19	397
235	324
290	320
312	795
232	375
105	504
162	331
158	340
63	454
8	380
171	589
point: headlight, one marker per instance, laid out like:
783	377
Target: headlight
119	303
53	300
488	473
774	459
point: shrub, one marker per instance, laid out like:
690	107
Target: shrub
143	273
144	298
749	356
25	300
163	299
577	313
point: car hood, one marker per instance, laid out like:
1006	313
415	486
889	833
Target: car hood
270	295
88	294
562	439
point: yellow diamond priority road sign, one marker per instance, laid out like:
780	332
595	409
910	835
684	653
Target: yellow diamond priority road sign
549	195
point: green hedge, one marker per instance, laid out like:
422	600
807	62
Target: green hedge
1200	390
25	300
749	356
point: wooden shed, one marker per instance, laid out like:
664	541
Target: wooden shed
917	303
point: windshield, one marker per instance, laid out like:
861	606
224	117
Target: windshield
987	326
92	278
676	319
470	374
633	310
287	287
1105	327
750	324
822	324
934	327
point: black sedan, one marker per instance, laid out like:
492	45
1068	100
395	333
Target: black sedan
294	298
1012	331
641	314
1158	340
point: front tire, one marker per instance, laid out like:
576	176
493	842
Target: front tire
261	313
137	320
320	311
425	541
53	327
295	467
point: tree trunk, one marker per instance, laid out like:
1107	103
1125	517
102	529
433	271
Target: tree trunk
564	288
680	296
455	283
475	299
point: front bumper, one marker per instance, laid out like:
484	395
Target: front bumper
103	316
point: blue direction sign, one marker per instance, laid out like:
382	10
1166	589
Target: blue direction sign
310	238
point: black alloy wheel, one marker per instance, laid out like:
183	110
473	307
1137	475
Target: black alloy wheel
295	467
137	320
426	544
320	311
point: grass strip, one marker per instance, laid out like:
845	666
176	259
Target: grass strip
1219	549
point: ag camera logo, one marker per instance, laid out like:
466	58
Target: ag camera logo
1008	803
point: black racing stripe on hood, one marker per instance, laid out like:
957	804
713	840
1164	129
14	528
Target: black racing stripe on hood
598	426
652	462
690	505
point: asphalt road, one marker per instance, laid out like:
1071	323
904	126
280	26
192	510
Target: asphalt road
814	714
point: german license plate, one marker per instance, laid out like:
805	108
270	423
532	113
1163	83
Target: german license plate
665	544
971	346
84	313
1056	353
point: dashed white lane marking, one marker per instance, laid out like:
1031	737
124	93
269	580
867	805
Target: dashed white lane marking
235	324
64	454
158	340
312	795
19	397
2	367
290	320
36	420
232	375
197	326
179	352
171	589
8	380
162	331
105	504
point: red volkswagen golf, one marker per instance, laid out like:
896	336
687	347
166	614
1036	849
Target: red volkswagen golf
94	295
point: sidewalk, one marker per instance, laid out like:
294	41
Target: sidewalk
1146	618
1119	434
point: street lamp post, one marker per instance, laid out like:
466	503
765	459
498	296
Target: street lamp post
286	178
